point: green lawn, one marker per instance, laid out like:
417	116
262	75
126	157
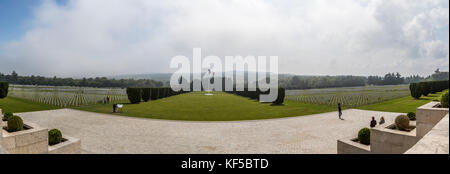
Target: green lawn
403	105
221	106
11	104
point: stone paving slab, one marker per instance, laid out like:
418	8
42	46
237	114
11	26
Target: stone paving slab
106	134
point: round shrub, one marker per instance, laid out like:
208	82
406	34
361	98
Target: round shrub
364	136
54	137
7	115
402	122
444	99
411	116
15	123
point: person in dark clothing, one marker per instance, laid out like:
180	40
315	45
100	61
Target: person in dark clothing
114	107
373	123
340	110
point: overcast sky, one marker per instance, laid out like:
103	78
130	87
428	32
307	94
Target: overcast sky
315	37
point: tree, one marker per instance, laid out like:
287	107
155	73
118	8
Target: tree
100	82
14	76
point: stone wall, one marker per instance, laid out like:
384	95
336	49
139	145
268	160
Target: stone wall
2	150
435	141
34	140
428	116
430	135
384	140
348	146
31	141
71	146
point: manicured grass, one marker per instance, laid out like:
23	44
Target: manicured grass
403	105
219	107
11	104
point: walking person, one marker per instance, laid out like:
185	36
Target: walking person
340	110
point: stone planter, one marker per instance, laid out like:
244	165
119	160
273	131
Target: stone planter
435	141
386	140
69	145
351	146
33	140
2	151
428	116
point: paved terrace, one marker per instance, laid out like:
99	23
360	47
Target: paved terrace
434	142
104	133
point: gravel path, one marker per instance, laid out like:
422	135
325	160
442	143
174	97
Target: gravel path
104	133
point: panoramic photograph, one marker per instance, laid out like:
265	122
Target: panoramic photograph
223	77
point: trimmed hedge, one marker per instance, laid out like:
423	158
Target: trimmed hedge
4	89
364	136
134	95
425	88
402	122
415	91
280	97
444	99
6	116
154	95
15	123
161	93
255	95
411	116
54	137
146	93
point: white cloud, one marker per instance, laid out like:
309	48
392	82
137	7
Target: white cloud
106	37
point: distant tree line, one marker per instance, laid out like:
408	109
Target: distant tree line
388	79
100	82
396	78
286	81
311	82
